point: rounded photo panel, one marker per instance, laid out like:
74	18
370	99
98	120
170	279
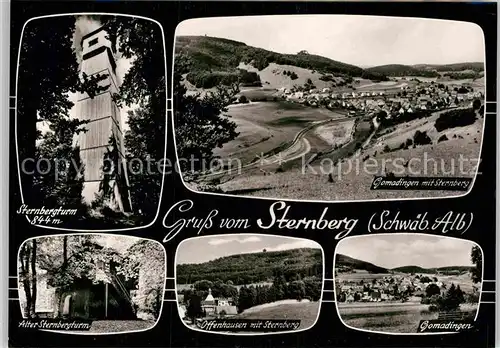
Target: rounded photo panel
408	283
329	107
249	284
90	121
91	283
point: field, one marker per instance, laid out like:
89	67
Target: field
265	127
361	275
394	318
272	76
336	134
457	157
391	317
307	312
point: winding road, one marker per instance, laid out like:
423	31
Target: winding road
297	148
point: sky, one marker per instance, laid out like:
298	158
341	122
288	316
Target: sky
359	40
117	242
83	26
396	250
203	249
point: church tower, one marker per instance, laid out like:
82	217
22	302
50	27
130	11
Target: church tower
104	136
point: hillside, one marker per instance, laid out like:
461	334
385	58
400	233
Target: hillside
254	267
427	70
475	66
402	70
418	269
215	60
413	269
343	261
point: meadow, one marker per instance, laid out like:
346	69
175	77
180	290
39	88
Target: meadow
266	127
306	312
393	317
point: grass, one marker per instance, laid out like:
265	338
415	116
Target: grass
306	312
361	133
352	178
290	120
398	319
109	326
392	322
265	126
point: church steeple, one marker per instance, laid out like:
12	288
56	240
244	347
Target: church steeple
210	298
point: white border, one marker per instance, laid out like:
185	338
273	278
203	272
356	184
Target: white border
166	115
96	333
404	333
250	333
332	201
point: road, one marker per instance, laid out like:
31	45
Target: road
297	148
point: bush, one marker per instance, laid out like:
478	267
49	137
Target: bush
455	118
249	78
476	104
387	148
409	142
481	111
421	138
293	76
432	289
242	99
327	78
425	279
442	138
433	308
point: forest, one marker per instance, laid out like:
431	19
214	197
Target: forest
216	60
252	268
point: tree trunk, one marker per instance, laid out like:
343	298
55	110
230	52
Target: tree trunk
24	256
33	278
65	251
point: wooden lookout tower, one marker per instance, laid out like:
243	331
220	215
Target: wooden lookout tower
101	147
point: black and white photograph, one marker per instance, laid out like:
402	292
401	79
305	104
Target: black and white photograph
314	107
113	283
249	283
389	283
90	122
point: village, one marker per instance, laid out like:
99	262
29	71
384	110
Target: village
394	287
412	96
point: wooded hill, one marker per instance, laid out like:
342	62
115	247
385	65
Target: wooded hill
218	59
427	70
209	61
343	262
346	262
255	267
444	270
